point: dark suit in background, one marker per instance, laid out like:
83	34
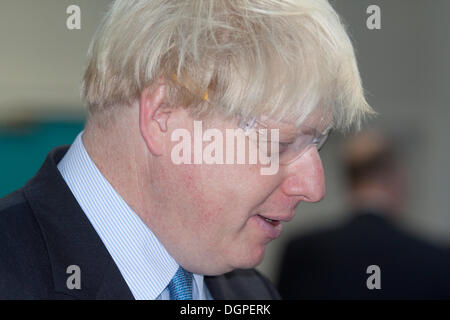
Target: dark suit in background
43	230
332	264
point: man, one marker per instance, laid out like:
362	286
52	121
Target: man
119	215
369	256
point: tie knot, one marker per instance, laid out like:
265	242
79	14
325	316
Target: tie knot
180	287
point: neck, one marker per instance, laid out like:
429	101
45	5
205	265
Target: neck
118	157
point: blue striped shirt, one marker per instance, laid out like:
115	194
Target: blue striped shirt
142	260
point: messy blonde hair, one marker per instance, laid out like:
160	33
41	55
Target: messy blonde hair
277	58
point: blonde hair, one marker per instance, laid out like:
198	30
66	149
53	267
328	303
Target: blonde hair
277	58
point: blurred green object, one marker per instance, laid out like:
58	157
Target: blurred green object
24	149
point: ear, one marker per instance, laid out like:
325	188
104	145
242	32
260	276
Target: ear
153	117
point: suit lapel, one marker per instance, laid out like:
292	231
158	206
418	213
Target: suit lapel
70	238
219	288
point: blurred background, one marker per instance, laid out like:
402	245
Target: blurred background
405	67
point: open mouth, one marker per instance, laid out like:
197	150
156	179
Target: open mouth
271	227
272	222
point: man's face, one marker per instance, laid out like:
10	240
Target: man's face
211	217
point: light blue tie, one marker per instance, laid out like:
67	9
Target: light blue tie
180	287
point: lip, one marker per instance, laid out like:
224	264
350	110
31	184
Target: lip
283	218
272	230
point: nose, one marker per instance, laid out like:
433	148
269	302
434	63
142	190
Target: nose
305	177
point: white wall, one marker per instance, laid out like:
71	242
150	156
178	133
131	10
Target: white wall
41	61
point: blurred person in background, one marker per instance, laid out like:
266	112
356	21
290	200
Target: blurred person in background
333	264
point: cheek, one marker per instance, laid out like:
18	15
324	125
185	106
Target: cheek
200	205
215	202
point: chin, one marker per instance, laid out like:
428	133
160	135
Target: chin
240	261
253	257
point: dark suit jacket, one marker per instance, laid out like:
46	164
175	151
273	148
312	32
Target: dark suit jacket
332	264
43	230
